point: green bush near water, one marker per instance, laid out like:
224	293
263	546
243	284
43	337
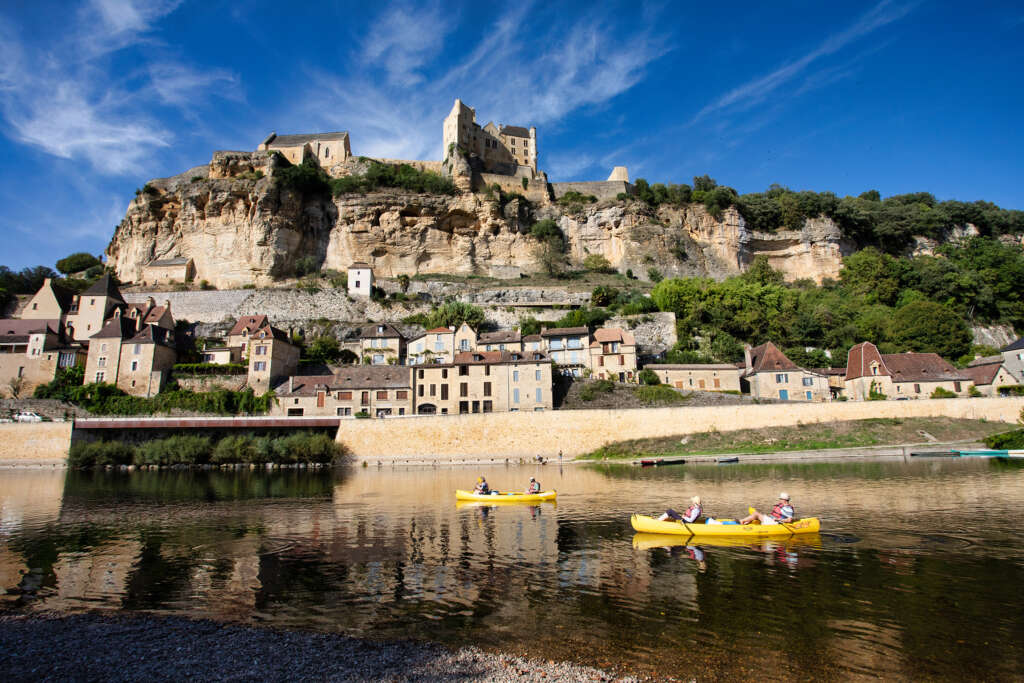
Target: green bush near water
1007	440
189	449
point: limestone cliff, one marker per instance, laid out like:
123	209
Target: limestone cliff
240	227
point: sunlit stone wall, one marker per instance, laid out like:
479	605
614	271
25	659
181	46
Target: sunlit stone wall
34	443
575	432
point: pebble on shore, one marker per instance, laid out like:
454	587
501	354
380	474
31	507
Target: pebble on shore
128	647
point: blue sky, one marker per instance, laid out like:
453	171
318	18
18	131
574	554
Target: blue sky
99	96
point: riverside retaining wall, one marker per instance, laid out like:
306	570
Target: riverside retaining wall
577	432
26	444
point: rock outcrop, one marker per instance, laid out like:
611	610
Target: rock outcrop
241	227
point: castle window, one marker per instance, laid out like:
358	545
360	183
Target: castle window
327	152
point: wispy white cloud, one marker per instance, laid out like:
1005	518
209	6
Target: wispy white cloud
757	90
179	84
592	58
66	99
404	40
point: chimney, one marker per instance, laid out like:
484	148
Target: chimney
167	305
291	383
746	355
150	302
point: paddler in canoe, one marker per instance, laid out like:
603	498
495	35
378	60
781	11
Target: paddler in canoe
481	487
533	486
691	515
782	513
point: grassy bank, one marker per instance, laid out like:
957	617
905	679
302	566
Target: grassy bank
808	437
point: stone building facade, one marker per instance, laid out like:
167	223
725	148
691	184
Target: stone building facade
484	382
272	358
900	375
699	376
326	148
768	373
502	149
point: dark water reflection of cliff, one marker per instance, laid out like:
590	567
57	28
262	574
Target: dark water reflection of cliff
917	573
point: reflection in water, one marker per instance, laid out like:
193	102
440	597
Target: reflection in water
387	553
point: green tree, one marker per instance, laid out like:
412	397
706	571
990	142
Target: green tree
77	262
597	264
929	326
603	295
873	275
529	325
325	349
648	377
454	313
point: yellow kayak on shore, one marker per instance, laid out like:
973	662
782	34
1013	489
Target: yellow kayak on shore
652	525
510	497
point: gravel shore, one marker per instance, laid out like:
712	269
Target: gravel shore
123	647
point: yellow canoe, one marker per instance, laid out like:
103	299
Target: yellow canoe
652	525
509	497
646	541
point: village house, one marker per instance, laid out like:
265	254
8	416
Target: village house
1013	355
501	340
989	375
568	347
768	373
613	354
31	352
440	344
239	335
381	344
169	270
148	313
533	342
699	376
326	148
484	382
81	315
272	358
899	375
377	391
360	279
138	360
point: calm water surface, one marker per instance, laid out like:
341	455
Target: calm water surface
918	573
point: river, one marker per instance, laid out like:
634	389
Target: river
917	573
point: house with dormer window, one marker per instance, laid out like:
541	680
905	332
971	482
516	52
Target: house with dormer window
272	358
769	373
899	375
381	344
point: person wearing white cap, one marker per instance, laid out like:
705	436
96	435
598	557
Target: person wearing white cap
690	516
782	513
533	487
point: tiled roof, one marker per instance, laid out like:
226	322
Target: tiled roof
303	138
104	287
155	314
373	377
438	330
492	357
386	332
275	333
167	262
1015	346
695	366
152	334
18	331
986	360
306	385
515	131
500	337
565	331
118	327
613	334
768	358
359	264
983	374
248	323
920	367
532	338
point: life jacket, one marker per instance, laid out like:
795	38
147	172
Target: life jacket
483	488
535	487
783	511
690	515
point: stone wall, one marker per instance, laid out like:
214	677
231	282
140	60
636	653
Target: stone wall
431	166
209	306
602	189
576	432
536	189
34	443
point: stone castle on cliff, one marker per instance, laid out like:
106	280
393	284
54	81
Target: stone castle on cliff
495	154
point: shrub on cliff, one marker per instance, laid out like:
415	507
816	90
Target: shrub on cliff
306	178
401	176
454	313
